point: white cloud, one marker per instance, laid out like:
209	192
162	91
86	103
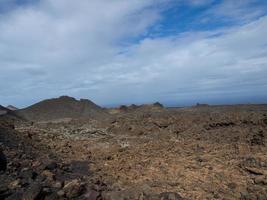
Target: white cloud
80	48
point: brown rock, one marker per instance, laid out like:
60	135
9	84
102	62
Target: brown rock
15	184
61	193
48	174
254	171
74	188
57	184
262	180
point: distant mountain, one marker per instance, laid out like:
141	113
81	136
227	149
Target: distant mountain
3	110
10	107
61	108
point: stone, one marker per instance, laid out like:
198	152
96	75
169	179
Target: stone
74	188
36	164
28	174
232	186
260	180
61	193
254	171
57	184
14	184
49	175
34	192
51	165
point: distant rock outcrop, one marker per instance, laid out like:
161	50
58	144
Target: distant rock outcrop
136	108
157	104
62	108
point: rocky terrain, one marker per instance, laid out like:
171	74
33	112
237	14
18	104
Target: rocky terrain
137	152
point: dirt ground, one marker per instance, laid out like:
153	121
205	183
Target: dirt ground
205	152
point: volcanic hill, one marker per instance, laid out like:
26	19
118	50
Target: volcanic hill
62	108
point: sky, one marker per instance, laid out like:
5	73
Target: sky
177	52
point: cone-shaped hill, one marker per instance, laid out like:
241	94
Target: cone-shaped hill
61	108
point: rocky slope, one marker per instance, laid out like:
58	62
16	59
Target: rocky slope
62	108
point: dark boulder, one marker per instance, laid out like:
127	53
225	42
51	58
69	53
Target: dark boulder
51	165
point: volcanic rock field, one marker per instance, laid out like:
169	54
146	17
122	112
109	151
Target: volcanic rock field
65	148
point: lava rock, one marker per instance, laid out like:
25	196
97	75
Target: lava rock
3	161
28	174
258	139
51	165
34	192
49	175
14	184
74	188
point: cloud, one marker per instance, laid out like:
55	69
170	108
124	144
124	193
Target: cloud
231	61
102	50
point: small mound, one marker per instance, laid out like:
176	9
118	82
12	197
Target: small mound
62	108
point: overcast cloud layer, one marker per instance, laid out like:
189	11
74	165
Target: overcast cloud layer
132	51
